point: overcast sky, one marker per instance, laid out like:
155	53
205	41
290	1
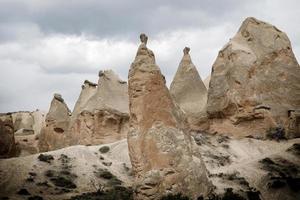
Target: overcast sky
52	46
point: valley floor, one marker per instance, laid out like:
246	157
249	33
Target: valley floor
251	167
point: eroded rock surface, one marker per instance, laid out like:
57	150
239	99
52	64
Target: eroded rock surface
159	147
57	122
254	81
8	147
189	92
27	127
101	112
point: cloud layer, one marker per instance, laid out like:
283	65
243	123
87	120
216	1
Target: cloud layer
53	46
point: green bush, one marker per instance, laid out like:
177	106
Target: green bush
104	149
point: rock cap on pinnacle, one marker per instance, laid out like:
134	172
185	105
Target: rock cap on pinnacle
186	50
144	38
58	97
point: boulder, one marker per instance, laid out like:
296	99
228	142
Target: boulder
57	122
8	147
189	92
254	81
101	112
160	148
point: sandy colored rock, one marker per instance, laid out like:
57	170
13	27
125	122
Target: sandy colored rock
206	82
101	112
189	92
88	90
159	147
57	123
255	80
8	147
27	126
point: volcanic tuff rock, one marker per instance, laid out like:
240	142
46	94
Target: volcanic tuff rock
101	112
57	122
255	80
159	147
189	92
88	90
27	127
206	81
8	146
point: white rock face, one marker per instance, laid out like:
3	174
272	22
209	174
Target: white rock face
255	79
189	92
101	112
160	149
89	89
112	92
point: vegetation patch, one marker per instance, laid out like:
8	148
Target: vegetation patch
295	149
35	198
23	191
282	173
175	197
65	182
230	195
277	133
104	149
116	193
45	158
221	160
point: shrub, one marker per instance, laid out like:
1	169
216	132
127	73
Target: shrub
277	133
45	158
175	197
104	149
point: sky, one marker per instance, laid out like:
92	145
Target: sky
52	46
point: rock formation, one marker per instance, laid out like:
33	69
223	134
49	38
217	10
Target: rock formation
189	92
57	122
88	90
206	81
8	147
101	112
254	81
27	126
159	147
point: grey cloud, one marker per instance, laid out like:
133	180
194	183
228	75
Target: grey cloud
54	45
108	18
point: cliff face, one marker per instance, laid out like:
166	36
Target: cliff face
254	80
160	149
190	93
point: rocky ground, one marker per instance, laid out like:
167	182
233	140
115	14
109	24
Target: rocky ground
252	168
67	172
239	168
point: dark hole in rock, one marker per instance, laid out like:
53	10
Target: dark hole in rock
59	130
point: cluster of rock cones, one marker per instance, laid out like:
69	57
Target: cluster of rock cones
254	91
